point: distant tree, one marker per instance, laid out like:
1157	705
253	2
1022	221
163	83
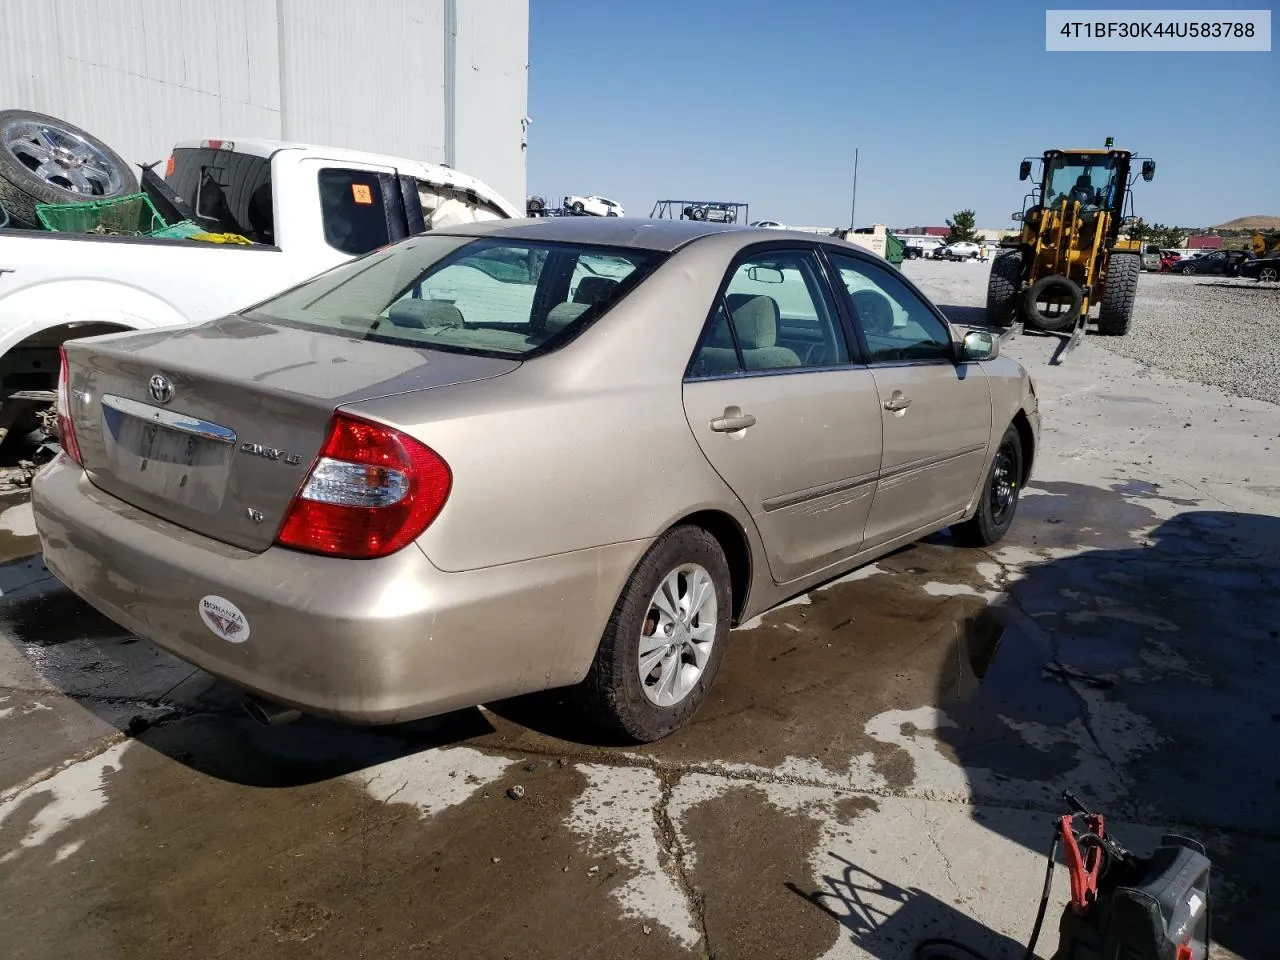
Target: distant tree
962	227
1166	236
1140	231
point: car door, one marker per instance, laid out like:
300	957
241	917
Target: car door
936	413
782	410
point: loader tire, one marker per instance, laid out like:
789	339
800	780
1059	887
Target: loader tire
1116	308
1059	322
27	177
1002	289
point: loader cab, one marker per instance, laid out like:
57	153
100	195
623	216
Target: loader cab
1096	179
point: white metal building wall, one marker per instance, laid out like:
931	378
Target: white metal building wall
362	74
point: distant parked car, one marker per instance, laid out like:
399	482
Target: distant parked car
1151	256
961	250
593	206
1265	269
915	247
769	224
1224	263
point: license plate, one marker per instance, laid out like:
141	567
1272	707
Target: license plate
156	444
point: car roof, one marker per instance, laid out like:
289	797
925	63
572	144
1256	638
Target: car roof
642	234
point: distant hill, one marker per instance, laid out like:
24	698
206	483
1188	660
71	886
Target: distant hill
1256	222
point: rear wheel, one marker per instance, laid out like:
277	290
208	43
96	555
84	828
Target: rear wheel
1116	309
1002	288
999	500
664	642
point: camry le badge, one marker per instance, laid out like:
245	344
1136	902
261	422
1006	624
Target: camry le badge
160	387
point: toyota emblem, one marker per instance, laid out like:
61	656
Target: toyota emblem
160	388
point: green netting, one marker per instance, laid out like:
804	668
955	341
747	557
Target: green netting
130	216
179	231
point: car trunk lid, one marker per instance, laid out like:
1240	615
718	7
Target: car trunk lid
214	428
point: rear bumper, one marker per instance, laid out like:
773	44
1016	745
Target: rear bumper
374	641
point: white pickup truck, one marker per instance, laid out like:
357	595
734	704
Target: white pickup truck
305	209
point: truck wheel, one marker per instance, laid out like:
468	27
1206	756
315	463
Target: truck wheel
1117	297
47	160
1063	298
1002	288
664	642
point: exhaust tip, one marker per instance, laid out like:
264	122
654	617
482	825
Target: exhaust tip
267	713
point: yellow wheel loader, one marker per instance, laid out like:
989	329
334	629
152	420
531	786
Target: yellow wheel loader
1068	256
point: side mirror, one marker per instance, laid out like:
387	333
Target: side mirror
979	345
1148	170
1016	216
1024	170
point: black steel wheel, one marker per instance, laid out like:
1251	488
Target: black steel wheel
998	503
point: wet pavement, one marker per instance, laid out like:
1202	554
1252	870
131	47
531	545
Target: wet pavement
880	761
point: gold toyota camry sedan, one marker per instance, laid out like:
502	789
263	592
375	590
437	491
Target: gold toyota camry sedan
517	455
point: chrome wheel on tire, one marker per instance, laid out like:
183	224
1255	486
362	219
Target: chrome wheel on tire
61	158
678	633
1269	274
1004	484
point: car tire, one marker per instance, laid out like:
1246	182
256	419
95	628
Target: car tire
578	208
1054	323
998	503
1116	309
21	188
1002	288
1186	269
613	696
1269	274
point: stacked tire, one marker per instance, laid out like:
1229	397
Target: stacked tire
46	160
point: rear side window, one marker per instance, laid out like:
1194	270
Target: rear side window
776	314
486	296
353	210
227	192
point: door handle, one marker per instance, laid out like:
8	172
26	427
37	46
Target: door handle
897	403
733	419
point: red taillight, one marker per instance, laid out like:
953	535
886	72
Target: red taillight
66	428
169	166
371	491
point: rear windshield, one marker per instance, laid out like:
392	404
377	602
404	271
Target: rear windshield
226	191
485	296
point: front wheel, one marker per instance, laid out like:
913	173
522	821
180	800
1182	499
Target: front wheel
999	497
1187	270
664	642
1116	309
1269	274
1002	288
578	208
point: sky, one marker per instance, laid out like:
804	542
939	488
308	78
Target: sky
765	103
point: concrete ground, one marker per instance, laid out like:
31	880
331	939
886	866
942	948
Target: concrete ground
880	761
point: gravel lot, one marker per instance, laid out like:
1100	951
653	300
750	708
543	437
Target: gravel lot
1225	333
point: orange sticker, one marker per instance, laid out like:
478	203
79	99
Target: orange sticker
361	193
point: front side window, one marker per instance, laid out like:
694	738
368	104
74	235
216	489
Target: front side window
776	313
462	294
353	211
897	325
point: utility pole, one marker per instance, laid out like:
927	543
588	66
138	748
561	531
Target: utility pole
854	208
